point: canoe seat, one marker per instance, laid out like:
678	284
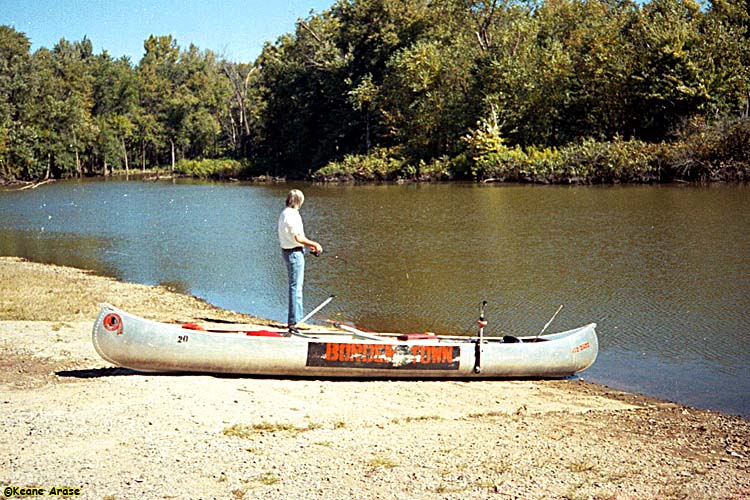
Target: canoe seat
417	336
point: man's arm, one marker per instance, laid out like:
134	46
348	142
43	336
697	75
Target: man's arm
313	245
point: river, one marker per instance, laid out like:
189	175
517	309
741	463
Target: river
663	270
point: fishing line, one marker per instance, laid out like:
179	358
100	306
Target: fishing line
373	275
319	289
359	268
380	277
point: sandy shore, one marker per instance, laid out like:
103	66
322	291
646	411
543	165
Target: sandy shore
72	420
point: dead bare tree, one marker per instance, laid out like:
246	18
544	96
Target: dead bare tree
240	86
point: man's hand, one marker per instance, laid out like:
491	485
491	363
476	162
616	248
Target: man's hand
314	246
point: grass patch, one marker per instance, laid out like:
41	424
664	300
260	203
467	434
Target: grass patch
245	431
487	414
488	484
575	494
381	462
268	479
264	479
443	488
498	467
421	418
581	466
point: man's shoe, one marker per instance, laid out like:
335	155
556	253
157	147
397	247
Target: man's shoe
293	330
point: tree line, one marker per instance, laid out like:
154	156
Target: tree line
536	90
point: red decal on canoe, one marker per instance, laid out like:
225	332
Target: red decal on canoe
379	356
113	323
581	347
193	326
263	333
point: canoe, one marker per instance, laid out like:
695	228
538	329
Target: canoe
130	341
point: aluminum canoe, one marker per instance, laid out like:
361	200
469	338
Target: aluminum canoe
130	341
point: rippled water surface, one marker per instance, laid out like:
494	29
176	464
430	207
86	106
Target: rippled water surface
663	270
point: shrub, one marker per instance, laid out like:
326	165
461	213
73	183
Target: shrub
222	168
711	151
610	162
381	164
700	151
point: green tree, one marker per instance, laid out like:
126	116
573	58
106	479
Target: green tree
115	108
205	93
73	77
669	85
161	114
306	118
425	97
724	57
16	133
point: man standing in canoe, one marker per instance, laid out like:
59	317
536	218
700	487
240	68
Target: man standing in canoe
293	242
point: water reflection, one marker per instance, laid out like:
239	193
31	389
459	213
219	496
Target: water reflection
81	251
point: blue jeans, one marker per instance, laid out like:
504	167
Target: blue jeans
295	268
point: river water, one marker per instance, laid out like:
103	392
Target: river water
663	270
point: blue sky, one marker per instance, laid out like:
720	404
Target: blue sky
236	29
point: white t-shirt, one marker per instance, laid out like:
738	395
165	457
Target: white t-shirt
290	224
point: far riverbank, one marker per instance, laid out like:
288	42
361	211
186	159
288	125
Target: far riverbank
718	152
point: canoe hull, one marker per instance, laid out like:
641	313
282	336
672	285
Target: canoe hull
132	342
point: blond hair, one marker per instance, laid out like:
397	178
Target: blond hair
295	198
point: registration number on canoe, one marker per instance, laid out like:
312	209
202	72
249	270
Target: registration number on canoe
378	356
581	347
